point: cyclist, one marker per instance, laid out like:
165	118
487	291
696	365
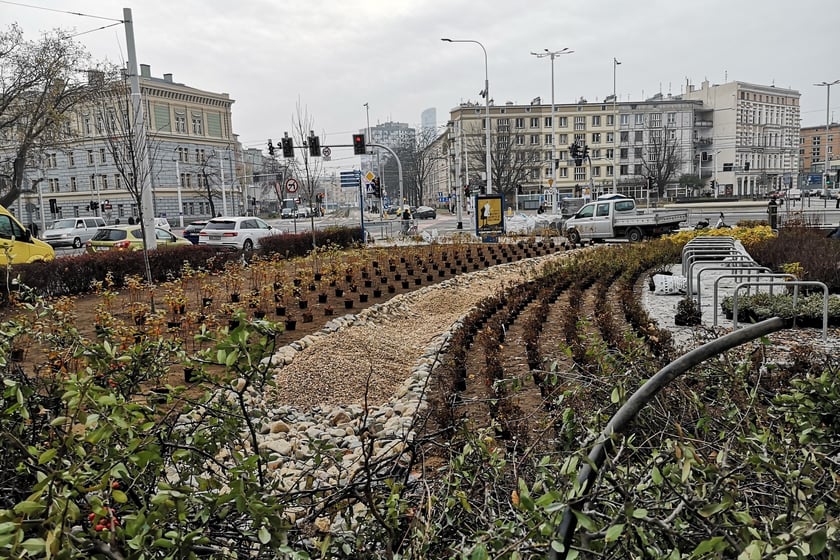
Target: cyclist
406	220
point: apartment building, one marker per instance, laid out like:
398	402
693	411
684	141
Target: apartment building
625	141
755	136
191	144
815	143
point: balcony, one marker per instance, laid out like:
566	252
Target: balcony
702	123
703	141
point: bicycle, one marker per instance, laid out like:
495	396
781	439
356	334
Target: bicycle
410	231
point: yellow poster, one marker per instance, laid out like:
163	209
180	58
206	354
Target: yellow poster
489	214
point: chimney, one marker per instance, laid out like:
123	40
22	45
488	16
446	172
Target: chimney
145	71
167	78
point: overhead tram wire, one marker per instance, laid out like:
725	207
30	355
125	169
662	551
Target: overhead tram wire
21	4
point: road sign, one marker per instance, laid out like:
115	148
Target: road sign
369	188
350	179
326	151
370	176
291	185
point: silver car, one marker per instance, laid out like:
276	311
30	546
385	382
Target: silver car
72	232
241	232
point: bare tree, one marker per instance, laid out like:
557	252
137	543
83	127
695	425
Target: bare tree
208	179
307	169
130	152
662	158
417	161
40	86
512	163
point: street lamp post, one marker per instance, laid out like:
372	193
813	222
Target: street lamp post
554	162
488	163
178	186
827	125
616	62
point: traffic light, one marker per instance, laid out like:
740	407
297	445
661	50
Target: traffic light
585	151
314	146
288	147
650	183
377	187
270	147
577	154
359	144
837	176
466	190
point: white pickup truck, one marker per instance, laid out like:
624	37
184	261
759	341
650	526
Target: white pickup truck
615	216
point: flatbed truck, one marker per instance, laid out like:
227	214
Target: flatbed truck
617	217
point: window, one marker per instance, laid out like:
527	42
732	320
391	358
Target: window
596	171
602	210
51	161
625	136
73	184
563	155
580	139
53	185
520	157
547	172
596	120
71	159
672	134
624	153
117	181
104	182
548	139
580	123
535	122
93	182
672	119
640	118
610	137
200	155
596	137
90	157
563	122
180	123
610	153
637	169
520	140
638	136
548	155
86	124
610	120
580	173
102	155
656	120
535	174
503	140
197	125
535	139
595	154
625	120
586	211
564	138
564	172
610	171
623	169
547	122
637	152
519	122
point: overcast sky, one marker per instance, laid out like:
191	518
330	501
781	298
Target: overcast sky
333	56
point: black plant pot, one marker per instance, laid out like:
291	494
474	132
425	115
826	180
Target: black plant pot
280	310
322	298
377	293
363	298
234	297
290	324
348	304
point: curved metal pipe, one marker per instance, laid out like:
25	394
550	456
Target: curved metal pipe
627	413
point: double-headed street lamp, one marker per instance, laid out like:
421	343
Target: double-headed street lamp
827	125
488	162
554	162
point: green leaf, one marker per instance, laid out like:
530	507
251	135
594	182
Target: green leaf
656	476
47	456
34	545
752	552
7	527
710	509
707	546
231	358
640	513
480	553
818	542
614	532
264	535
163	543
585	521
28	508
119	496
615	395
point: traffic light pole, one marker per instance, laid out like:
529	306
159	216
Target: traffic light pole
399	168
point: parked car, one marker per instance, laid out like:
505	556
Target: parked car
242	232
17	242
303	212
424	213
72	232
130	238
192	230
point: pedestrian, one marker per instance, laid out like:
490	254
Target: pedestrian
837	200
131	220
117	221
720	223
33	228
406	218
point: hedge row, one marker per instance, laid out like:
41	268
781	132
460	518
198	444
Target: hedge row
76	274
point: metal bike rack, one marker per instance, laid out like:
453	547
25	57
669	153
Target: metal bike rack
769	285
795	284
750	267
739	259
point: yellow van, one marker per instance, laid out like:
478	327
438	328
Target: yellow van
17	241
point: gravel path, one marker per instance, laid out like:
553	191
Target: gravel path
379	354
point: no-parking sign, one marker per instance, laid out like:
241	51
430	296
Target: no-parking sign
291	185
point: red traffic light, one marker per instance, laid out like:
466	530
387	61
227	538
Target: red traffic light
359	144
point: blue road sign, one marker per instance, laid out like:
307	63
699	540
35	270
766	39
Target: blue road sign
815	179
350	179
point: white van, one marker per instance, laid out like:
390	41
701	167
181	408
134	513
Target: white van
72	232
